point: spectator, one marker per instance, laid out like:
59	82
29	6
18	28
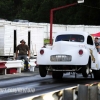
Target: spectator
21	53
97	44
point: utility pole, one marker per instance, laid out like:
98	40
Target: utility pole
58	8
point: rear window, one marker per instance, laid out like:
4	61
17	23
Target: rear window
70	37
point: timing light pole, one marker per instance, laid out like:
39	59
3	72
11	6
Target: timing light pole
54	9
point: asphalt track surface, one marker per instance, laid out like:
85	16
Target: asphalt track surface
39	85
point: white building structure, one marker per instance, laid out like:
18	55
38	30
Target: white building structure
33	33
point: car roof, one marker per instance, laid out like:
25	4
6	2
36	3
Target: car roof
72	32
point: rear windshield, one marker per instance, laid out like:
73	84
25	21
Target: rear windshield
70	37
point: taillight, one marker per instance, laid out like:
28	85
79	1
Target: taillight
80	52
41	52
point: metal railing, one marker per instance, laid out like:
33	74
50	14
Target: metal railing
79	92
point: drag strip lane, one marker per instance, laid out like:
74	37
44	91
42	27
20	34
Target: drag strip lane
44	85
22	80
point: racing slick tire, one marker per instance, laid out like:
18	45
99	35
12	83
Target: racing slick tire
85	70
42	70
57	75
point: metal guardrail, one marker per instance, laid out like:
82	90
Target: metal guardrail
79	92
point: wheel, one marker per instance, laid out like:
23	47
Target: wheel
96	74
57	75
42	71
85	70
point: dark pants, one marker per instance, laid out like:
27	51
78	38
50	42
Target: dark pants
20	57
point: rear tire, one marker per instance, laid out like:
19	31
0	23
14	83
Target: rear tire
42	70
57	75
85	70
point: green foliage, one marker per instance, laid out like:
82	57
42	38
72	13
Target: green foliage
46	41
39	11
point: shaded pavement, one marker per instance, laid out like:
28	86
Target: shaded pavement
22	74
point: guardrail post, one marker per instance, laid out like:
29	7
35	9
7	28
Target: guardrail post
93	93
68	94
38	98
83	92
98	93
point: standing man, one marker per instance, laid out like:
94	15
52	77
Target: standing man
97	44
21	53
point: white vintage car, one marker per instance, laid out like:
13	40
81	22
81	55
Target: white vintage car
70	52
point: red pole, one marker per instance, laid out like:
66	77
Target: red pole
51	17
51	22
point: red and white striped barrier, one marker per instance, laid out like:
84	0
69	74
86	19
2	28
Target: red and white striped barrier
10	67
15	66
2	67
